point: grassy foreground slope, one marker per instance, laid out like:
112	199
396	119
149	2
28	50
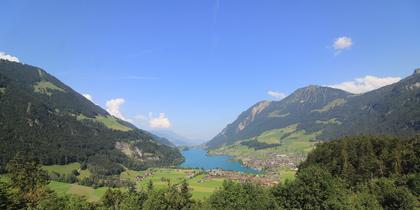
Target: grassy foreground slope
160	177
91	194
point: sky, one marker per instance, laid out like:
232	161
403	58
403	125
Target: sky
193	66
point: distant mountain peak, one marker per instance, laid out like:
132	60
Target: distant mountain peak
314	93
255	110
417	71
315	89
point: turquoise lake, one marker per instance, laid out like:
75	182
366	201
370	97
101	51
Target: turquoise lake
198	158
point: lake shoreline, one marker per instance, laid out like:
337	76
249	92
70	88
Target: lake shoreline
200	158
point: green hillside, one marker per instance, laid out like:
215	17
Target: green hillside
332	113
45	119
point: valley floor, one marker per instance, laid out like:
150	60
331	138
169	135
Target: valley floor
202	183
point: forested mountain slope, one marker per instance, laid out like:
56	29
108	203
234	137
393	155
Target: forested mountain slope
328	113
44	118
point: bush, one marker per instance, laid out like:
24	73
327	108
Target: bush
242	196
391	196
313	188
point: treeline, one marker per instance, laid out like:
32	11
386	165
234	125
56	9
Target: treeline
357	160
95	179
322	182
255	144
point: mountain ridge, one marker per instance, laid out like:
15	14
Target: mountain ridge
42	116
330	111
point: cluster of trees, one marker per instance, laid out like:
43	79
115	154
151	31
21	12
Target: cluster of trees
27	189
68	178
105	181
173	197
322	182
94	180
316	188
359	159
255	144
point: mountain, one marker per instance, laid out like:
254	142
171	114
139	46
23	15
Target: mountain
326	113
173	137
162	140
44	118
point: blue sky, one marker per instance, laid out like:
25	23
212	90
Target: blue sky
201	63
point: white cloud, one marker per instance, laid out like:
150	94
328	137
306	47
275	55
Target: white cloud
88	96
8	57
113	107
277	95
342	43
365	84
159	122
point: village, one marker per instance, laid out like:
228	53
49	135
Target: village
272	160
266	179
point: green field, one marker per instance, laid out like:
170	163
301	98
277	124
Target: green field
161	176
200	188
44	87
62	169
286	174
108	121
67	169
92	195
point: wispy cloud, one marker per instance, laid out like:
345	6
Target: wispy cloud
277	95
342	43
365	84
8	57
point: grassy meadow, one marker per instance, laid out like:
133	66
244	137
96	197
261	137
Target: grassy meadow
91	194
292	142
200	189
